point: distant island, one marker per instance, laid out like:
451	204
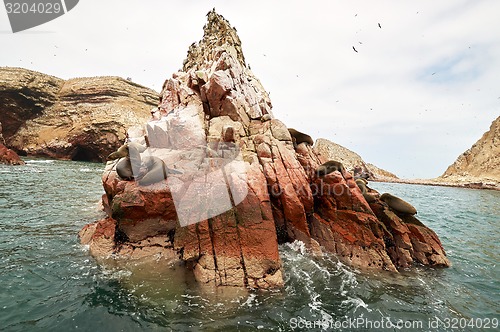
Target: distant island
477	168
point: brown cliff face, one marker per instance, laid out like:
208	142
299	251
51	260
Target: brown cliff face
24	94
78	119
353	162
481	163
241	186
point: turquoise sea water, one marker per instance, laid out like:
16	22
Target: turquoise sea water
49	282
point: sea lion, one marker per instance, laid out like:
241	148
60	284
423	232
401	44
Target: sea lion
266	117
123	150
363	180
329	167
120	153
124	169
298	137
130	166
398	204
156	171
370	198
123	166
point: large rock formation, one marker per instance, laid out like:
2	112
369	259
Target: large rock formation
237	186
479	165
78	119
351	160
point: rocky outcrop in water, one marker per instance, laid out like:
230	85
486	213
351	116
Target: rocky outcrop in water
7	156
479	166
241	185
78	119
351	161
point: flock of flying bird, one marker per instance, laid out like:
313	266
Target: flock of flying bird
355	50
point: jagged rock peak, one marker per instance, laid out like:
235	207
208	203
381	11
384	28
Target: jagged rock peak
217	34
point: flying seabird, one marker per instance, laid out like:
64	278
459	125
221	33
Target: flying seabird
354	49
379	26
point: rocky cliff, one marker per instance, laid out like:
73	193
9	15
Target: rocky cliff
216	182
351	160
78	119
479	165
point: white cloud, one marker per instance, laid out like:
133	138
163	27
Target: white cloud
422	87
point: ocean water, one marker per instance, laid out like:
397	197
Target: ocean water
49	282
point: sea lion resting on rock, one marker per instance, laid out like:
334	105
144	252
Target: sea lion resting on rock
129	166
329	167
298	137
370	198
363	180
124	169
130	160
398	204
156	171
266	117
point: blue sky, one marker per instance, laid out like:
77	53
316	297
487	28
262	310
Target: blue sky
420	90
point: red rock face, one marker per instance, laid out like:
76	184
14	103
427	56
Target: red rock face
9	157
409	241
217	129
